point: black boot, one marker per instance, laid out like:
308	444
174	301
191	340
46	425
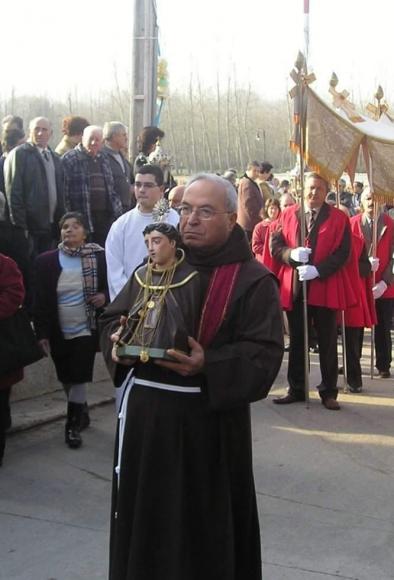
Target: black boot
85	419
72	429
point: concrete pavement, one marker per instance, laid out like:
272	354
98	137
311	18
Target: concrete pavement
324	482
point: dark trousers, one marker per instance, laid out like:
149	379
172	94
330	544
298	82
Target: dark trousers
39	243
5	417
324	322
354	344
383	345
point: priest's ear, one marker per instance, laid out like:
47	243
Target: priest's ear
232	218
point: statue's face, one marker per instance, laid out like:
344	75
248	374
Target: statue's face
161	249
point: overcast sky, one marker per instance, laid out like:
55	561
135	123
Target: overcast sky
51	47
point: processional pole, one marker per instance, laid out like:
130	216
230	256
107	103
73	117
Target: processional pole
374	249
298	93
377	112
343	327
303	113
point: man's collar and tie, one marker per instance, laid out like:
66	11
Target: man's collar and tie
44	152
310	217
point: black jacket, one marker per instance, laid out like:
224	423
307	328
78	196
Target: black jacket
27	189
122	179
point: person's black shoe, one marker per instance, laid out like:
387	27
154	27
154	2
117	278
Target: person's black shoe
314	349
384	374
287	348
72	436
85	419
355	389
340	371
287	400
330	404
72	431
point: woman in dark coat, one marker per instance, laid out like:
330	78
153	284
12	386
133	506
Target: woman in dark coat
12	294
70	291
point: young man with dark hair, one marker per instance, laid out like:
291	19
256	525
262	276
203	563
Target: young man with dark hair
125	248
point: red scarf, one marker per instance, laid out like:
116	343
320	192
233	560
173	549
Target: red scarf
220	291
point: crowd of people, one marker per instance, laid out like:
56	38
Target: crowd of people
184	288
346	272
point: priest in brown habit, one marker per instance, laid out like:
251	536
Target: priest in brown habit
184	503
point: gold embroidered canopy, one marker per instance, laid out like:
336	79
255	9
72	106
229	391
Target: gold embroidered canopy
333	138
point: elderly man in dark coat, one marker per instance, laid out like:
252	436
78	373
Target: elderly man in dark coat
89	185
115	145
34	187
184	504
250	199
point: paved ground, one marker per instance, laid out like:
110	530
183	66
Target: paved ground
324	482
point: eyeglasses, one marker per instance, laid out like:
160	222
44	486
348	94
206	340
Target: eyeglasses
203	213
147	185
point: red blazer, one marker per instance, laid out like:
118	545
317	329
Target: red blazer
334	288
260	241
362	314
384	250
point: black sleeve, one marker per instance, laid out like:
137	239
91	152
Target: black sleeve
14	186
42	300
280	251
245	358
364	265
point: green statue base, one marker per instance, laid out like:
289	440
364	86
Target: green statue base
143	353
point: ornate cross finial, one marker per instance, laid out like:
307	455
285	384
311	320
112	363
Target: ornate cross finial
376	111
299	74
341	101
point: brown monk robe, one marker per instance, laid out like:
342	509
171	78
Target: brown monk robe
184	504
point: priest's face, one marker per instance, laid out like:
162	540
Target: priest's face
160	248
205	222
315	192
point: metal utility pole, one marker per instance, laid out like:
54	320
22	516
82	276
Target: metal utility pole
144	70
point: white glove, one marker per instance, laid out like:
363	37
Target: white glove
300	254
306	273
379	289
374	264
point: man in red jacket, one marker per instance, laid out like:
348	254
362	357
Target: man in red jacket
382	264
322	263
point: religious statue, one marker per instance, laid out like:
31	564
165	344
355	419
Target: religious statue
164	300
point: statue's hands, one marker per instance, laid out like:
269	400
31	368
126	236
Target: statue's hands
115	339
185	365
